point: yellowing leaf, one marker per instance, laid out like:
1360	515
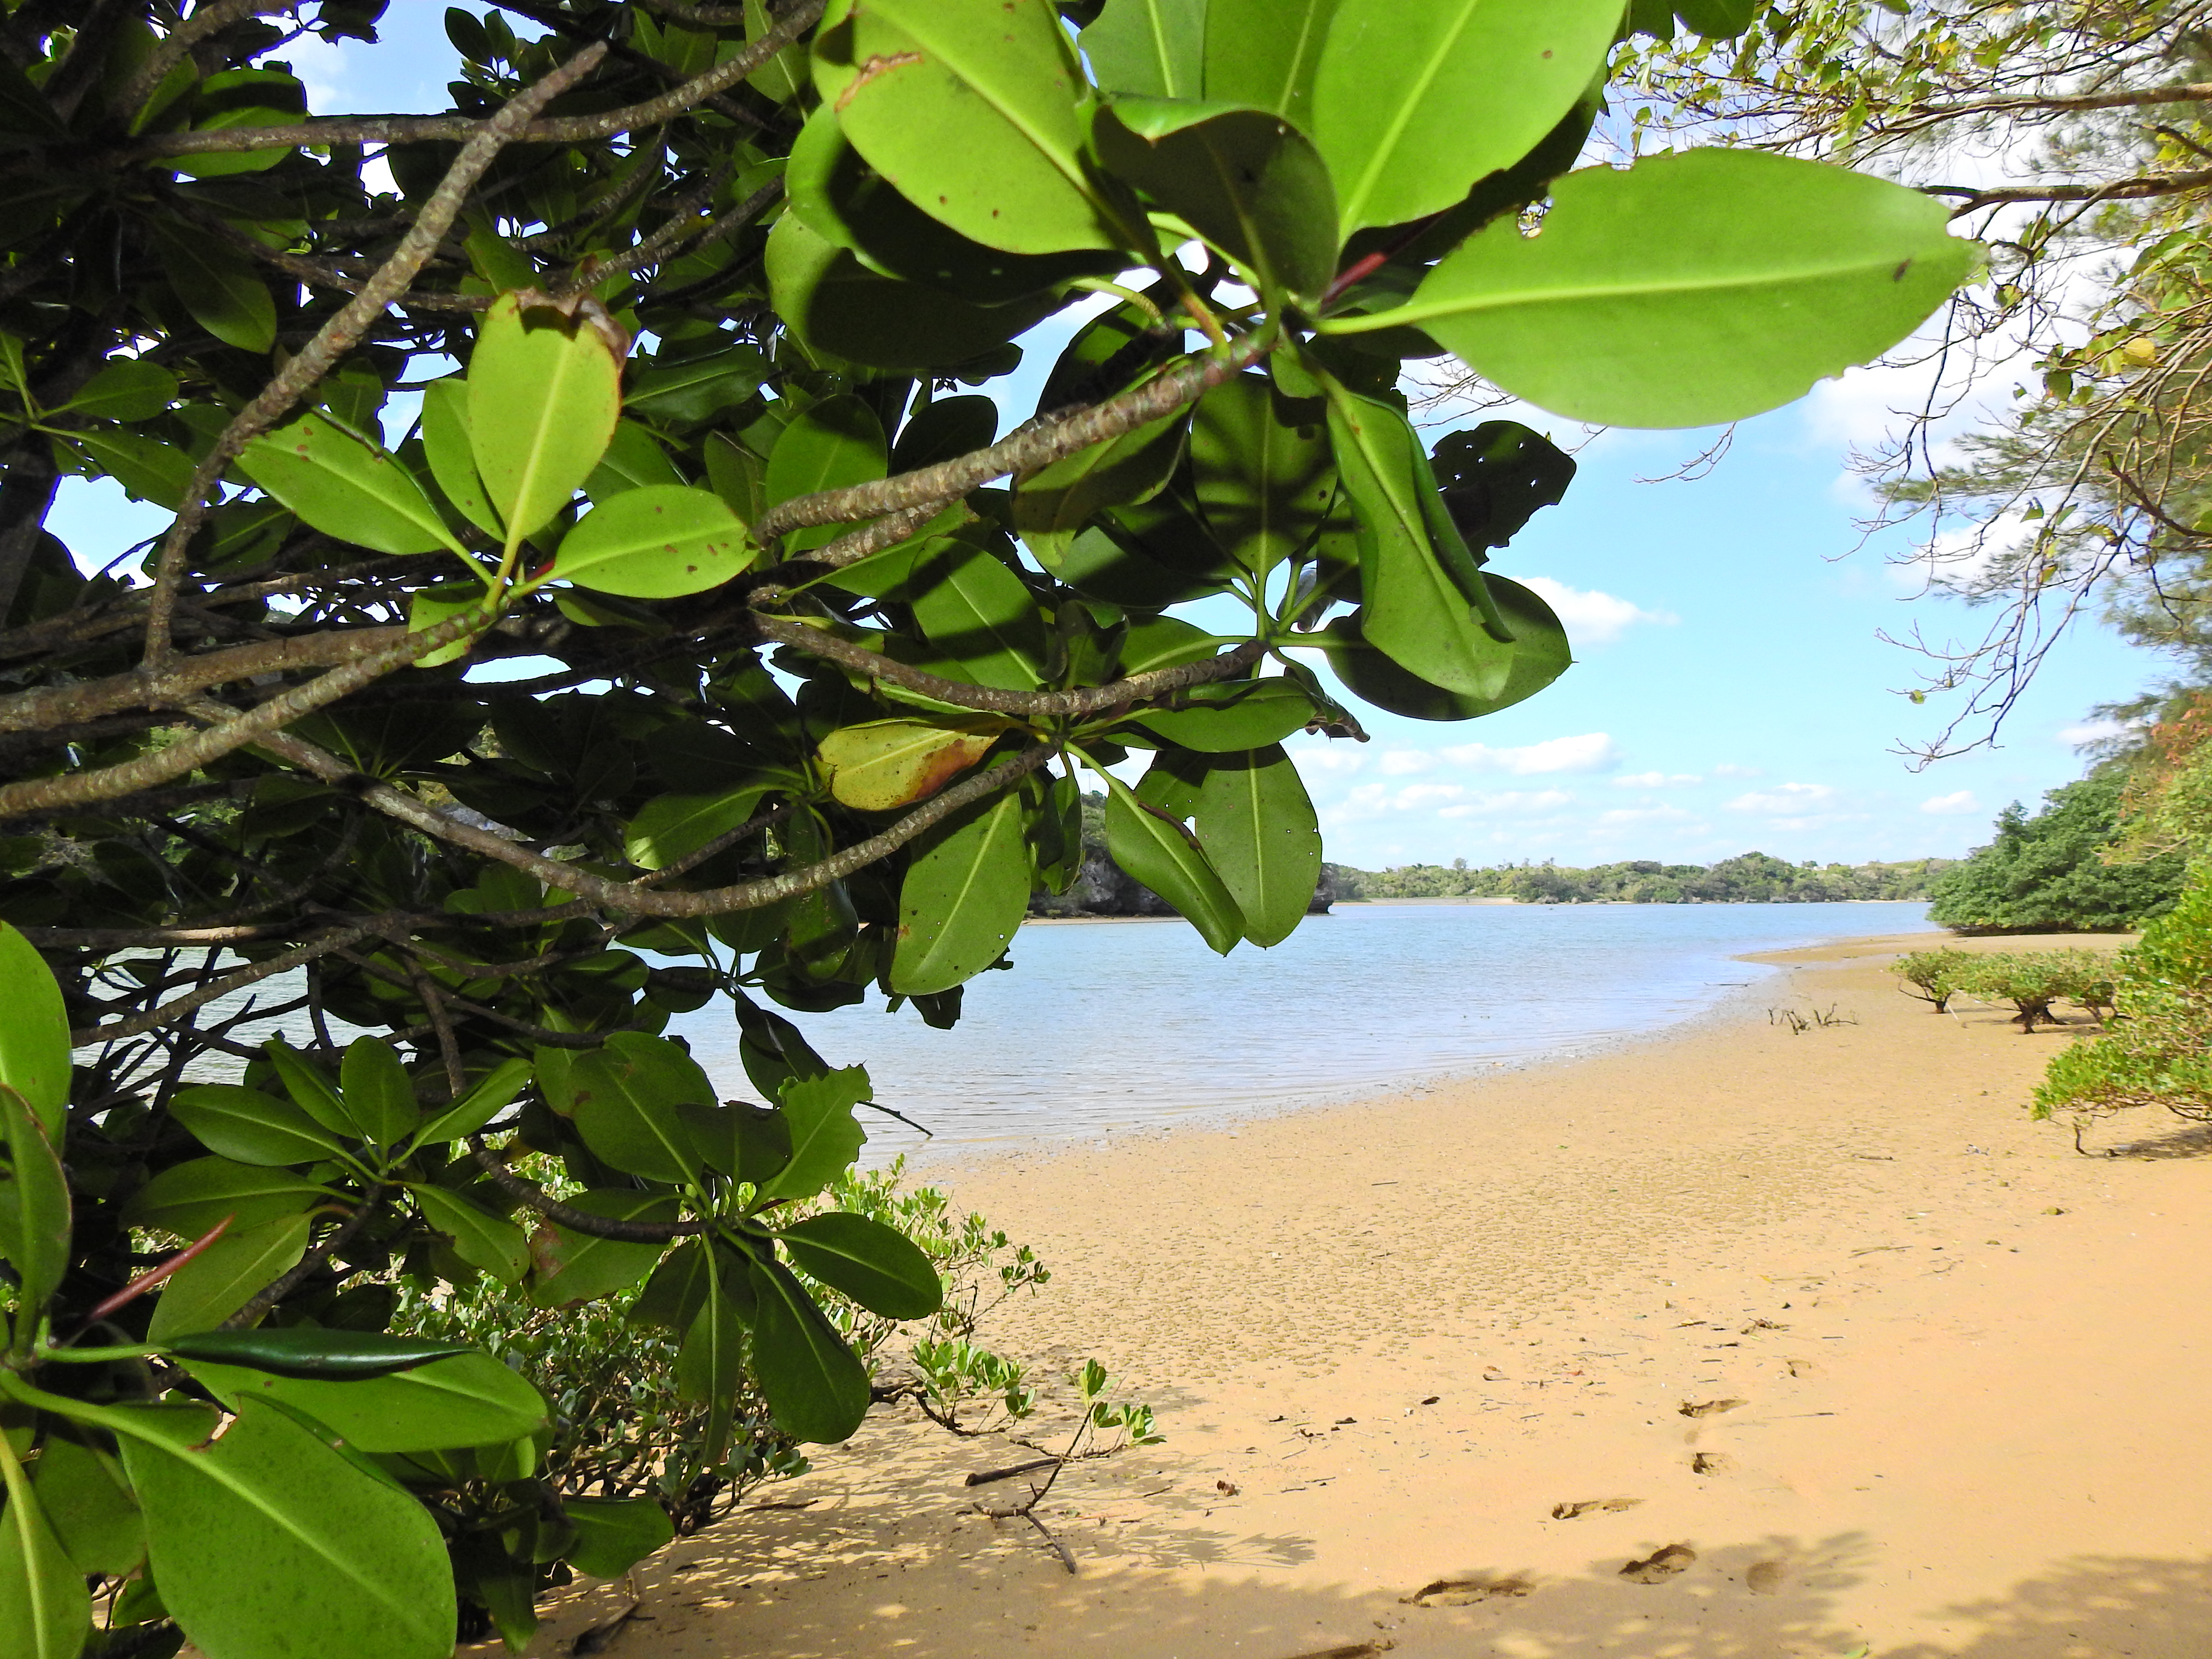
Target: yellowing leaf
883	764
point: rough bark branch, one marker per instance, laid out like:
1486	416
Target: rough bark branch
2118	190
151	687
285	1283
204	20
283	962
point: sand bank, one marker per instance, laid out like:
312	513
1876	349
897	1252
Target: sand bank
1968	1371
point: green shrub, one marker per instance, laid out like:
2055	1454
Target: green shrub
1931	976
2047	874
2033	980
2158	1050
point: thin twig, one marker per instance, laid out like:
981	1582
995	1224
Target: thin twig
285	1283
534	1197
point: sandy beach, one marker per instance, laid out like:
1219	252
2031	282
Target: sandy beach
1867	1361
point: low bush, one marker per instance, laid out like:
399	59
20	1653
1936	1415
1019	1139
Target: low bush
2033	979
1931	975
2158	1048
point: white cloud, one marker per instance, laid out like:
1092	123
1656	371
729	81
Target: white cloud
1339	760
1415	798
1958	804
2097	730
1628	815
1787	798
1657	780
1592	618
1730	770
1398	762
1509	801
1590	752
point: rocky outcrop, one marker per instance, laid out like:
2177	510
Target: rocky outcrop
1104	889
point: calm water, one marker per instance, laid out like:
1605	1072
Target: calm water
1107	1026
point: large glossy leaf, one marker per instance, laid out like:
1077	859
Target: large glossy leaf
634	460
147	469
251	1126
879	766
878	1267
88	1500
378	1095
309	1086
613	1534
1260	833
344	487
1693	289
977	612
817	1387
34	1036
223	1279
452	455
1420	591
1540	655
34	1205
1415	99
483	1101
1054	502
825	1137
1231	715
659	542
544	393
567	1267
685	391
626	1097
128	389
970	108
670	827
480	1238
948	427
1261	471
710	1360
314	1352
45	1611
1263	53
1159	851
1149	48
469	1399
268	1543
189	1198
838	306
220	288
1246	179
962	897
1495	476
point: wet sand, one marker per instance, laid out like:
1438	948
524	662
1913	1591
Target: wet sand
1884	1367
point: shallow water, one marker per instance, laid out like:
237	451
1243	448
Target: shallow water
1119	1026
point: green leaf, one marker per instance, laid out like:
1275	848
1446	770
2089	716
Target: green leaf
626	1095
88	1503
1245	179
660	542
962	897
1053	503
484	1102
310	1087
1719	20
34	1208
825	1138
1540	655
567	1267
267	1543
187	1198
978	613
1261	835
251	1126
344	487
223	1279
879	766
219	288
613	1534
480	1238
710	1360
878	1267
311	1352
1415	99
950	426
34	1044
1420	592
633	460
971	109
148	469
1495	478
544	393
1149	48
44	1604
1264	52
1231	715
838	305
128	389
670	827
427	607
830	445
694	389
468	1399
1261	471
1692	289
1159	852
817	1387
376	1090
452	455
669	1299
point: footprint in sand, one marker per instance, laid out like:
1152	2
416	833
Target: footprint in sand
1766	1578
1803	1367
1660	1566
1709	1407
1710	1464
1466	1592
1593	1506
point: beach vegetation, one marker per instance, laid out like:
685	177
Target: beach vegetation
1931	975
1747	878
592	588
2047	872
2032	980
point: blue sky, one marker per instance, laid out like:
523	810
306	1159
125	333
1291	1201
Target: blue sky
1729	691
